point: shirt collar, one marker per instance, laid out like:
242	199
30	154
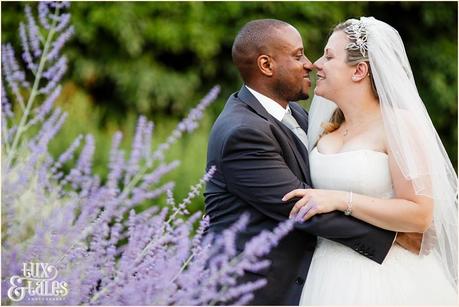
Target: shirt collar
272	107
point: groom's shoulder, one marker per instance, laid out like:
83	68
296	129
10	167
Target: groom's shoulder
238	113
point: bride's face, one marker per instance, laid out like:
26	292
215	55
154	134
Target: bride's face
334	75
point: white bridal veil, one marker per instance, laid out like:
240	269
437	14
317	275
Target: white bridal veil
411	135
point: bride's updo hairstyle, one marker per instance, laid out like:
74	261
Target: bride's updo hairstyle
355	55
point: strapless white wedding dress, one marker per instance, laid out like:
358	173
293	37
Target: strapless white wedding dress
339	275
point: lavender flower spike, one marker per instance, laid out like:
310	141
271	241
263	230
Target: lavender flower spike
43	12
137	148
12	73
257	246
86	156
194	191
54	74
188	124
6	106
31	40
116	164
34	34
59	43
46	107
26	55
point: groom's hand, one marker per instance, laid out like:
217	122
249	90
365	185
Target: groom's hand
410	241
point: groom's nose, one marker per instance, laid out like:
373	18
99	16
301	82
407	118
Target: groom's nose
308	64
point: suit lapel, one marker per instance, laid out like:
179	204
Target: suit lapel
300	154
303	122
299	116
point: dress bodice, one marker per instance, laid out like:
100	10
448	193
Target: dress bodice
360	171
404	278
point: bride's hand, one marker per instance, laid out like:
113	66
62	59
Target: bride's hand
314	201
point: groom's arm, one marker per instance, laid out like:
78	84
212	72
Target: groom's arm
364	238
255	171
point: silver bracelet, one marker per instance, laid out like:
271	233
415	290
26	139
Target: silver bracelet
348	210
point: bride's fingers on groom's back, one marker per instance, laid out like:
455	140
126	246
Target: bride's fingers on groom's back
298	205
294	193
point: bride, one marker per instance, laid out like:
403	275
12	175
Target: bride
378	158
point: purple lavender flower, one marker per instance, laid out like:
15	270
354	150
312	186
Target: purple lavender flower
257	246
12	73
141	195
59	43
43	12
116	163
243	289
197	239
54	74
67	155
55	69
50	127
26	55
188	124
34	33
85	160
148	136
229	235
6	106
137	147
80	176
42	111
11	66
59	4
158	173
31	41
63	22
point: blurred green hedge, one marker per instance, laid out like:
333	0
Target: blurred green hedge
159	58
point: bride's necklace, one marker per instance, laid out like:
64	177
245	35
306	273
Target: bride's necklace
356	128
360	125
346	131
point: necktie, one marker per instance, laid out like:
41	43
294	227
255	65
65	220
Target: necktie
291	123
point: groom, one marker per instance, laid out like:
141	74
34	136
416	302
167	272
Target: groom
259	146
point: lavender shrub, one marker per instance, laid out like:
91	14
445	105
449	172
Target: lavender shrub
90	241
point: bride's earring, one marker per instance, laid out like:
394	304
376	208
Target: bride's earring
354	78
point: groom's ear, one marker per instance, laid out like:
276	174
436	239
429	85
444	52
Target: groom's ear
361	71
265	65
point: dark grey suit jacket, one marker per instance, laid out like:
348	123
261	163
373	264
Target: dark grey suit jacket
258	161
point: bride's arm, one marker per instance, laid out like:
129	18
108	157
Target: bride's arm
407	212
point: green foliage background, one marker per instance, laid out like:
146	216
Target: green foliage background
160	58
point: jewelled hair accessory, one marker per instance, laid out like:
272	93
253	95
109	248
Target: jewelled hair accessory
357	34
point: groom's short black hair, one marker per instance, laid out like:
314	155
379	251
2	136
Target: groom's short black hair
252	40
